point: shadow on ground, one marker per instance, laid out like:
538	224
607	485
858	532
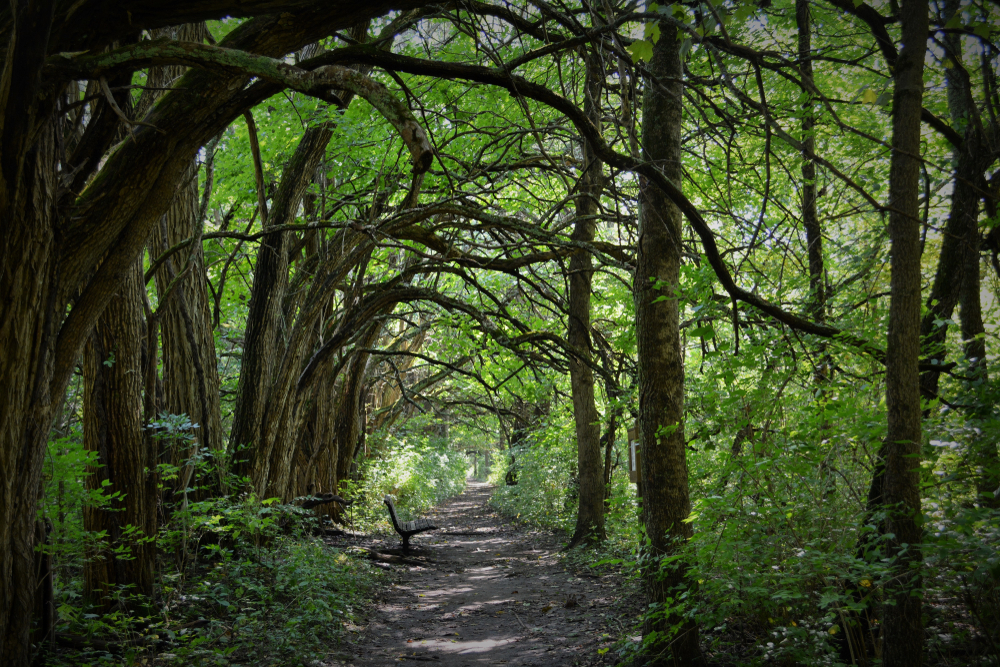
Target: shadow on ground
489	593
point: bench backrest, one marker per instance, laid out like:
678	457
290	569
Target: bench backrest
392	514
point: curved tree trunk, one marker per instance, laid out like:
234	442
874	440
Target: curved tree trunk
262	348
666	503
347	424
961	235
590	513
975	156
58	224
267	412
902	626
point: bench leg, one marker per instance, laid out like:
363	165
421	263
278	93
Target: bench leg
406	543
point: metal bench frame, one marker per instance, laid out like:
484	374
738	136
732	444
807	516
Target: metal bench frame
407	529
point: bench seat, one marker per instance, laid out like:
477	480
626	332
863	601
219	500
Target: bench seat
407	529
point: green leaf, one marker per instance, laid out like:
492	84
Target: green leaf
651	32
705	332
685	47
641	50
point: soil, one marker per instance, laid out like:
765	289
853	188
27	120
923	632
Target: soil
484	591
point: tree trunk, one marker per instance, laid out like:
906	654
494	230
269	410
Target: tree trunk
316	460
113	410
267	412
590	513
902	628
961	232
347	425
810	217
190	370
28	282
975	156
262	348
666	504
59	222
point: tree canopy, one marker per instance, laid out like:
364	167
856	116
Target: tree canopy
257	254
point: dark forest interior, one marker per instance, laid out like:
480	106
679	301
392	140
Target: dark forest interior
691	308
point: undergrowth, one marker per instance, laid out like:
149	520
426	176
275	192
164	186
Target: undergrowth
775	562
417	467
240	580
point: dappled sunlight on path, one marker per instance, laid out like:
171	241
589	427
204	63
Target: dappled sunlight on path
489	594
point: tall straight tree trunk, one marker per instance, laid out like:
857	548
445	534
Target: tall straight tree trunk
113	429
810	217
665	504
902	628
810	220
590	513
190	371
985	458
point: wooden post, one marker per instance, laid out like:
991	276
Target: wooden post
635	460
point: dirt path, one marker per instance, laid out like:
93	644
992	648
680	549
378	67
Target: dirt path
489	594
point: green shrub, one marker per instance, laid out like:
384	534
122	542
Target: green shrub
418	469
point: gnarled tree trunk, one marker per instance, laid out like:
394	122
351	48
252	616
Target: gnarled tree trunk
68	239
348	428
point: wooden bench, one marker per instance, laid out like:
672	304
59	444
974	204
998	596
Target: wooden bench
407	529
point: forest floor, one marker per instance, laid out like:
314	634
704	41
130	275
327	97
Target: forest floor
484	591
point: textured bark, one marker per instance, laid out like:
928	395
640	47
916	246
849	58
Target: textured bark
976	154
190	371
902	628
262	346
113	428
810	217
666	503
28	277
63	256
590	512
269	409
316	456
348	427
